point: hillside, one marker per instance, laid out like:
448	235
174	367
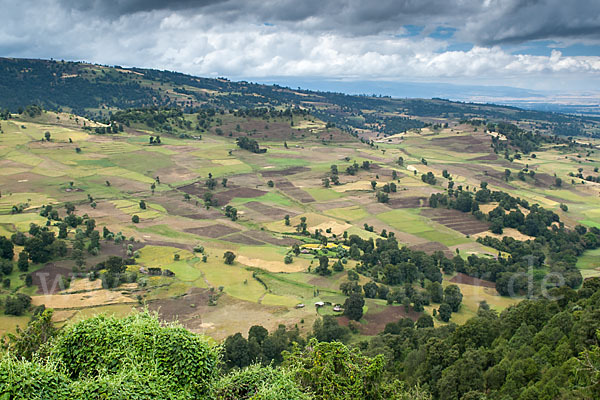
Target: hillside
301	205
427	231
96	91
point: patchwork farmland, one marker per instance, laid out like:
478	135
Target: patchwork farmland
314	185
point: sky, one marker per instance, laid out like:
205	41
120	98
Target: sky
551	45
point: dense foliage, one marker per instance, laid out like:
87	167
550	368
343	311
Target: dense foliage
134	357
159	119
137	357
537	349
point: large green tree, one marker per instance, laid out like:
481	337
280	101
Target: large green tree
353	306
453	297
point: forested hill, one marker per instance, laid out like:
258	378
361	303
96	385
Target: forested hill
96	91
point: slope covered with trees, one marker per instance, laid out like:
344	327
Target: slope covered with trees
97	91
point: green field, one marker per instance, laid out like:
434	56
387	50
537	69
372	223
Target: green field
589	260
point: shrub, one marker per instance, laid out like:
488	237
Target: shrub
333	371
137	352
258	382
32	380
229	257
17	305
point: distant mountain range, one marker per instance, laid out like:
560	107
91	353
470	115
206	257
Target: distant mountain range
574	103
97	91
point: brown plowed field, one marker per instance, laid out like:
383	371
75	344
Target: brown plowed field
265	237
489	157
464	144
47	279
213	231
243	239
283	172
464	223
408	202
272	212
431	247
172	309
469	280
175	205
377	321
288	188
223	197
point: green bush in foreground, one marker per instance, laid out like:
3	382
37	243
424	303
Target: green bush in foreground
136	357
108	345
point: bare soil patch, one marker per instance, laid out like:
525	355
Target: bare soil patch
243	239
283	172
181	246
277	241
376	208
213	231
491	176
279	130
222	197
333	204
203	214
247	180
194	189
288	188
469	280
48	278
371	157
389	172
489	157
269	211
544	180
376	321
408	202
431	247
464	144
182	307
242	192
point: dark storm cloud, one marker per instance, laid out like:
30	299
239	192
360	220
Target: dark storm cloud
124	7
485	22
521	21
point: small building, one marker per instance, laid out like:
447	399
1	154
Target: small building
319	304
301	305
337	308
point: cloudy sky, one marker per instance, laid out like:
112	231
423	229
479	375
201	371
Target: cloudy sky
535	44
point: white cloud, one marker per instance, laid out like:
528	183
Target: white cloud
202	45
